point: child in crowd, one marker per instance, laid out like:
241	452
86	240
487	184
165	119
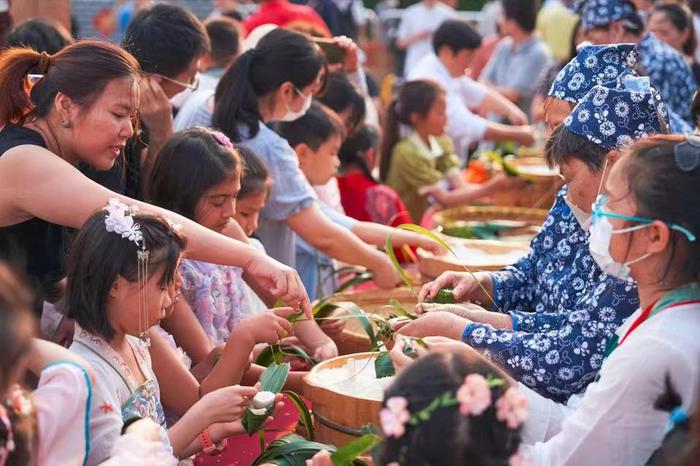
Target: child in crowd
48	426
198	175
121	282
444	409
362	197
422	161
316	138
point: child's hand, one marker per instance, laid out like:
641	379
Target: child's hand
385	275
432	246
433	324
267	327
282	281
227	429
322	458
333	326
327	350
229	403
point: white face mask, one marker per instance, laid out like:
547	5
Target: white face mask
583	218
599	245
293	116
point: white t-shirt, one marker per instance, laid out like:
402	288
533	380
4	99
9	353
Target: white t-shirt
614	421
463	94
416	19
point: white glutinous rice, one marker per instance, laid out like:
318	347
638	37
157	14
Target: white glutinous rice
263	400
356	378
537	170
477	256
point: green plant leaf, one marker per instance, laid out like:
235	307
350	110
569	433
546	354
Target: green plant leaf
383	366
304	414
444	296
277	353
324	309
395	262
272	380
396	305
345	455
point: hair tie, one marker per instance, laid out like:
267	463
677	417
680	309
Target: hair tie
44	62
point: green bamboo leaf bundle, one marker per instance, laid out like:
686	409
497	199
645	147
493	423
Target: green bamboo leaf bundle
272	380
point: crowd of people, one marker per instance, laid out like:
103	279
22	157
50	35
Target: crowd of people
169	204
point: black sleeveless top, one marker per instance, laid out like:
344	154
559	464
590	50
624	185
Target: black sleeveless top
36	247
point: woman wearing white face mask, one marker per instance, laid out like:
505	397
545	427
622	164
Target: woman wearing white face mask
276	81
555	308
646	226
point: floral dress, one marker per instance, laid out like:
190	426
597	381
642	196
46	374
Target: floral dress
564	310
217	295
117	396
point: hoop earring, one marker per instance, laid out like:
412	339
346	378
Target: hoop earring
65	123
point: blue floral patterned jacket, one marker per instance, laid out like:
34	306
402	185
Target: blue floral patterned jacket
564	310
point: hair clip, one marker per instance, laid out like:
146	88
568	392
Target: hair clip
687	153
222	139
120	220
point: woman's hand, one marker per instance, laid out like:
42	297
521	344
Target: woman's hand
464	286
433	324
469	311
449	346
228	404
400	360
283	282
327	350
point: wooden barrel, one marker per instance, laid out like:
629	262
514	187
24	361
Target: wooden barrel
431	266
539	193
374	302
339	418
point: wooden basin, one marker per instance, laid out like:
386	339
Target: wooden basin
339	418
488	256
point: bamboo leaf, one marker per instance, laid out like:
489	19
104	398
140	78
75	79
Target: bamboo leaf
396	305
383	366
357	313
272	380
324	309
345	455
444	296
395	262
277	353
304	414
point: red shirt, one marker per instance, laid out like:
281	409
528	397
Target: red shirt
368	201
282	13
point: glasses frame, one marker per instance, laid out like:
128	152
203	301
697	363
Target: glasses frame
194	85
598	211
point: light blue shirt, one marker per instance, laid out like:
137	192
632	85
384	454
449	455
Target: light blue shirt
290	194
313	265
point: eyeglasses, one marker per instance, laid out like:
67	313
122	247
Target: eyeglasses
193	85
686	154
599	211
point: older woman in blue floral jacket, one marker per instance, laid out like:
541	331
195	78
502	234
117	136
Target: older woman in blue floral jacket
556	309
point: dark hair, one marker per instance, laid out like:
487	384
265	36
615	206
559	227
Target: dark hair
681	18
255	178
414	97
678	447
279	57
457	35
523	12
224	35
81	71
663	191
313	129
353	149
17	328
564	146
40	34
165	39
98	257
340	94
17	324
447	437
192	162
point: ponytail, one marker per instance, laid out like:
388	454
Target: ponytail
236	102
415	97
392	130
81	71
280	56
15	65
